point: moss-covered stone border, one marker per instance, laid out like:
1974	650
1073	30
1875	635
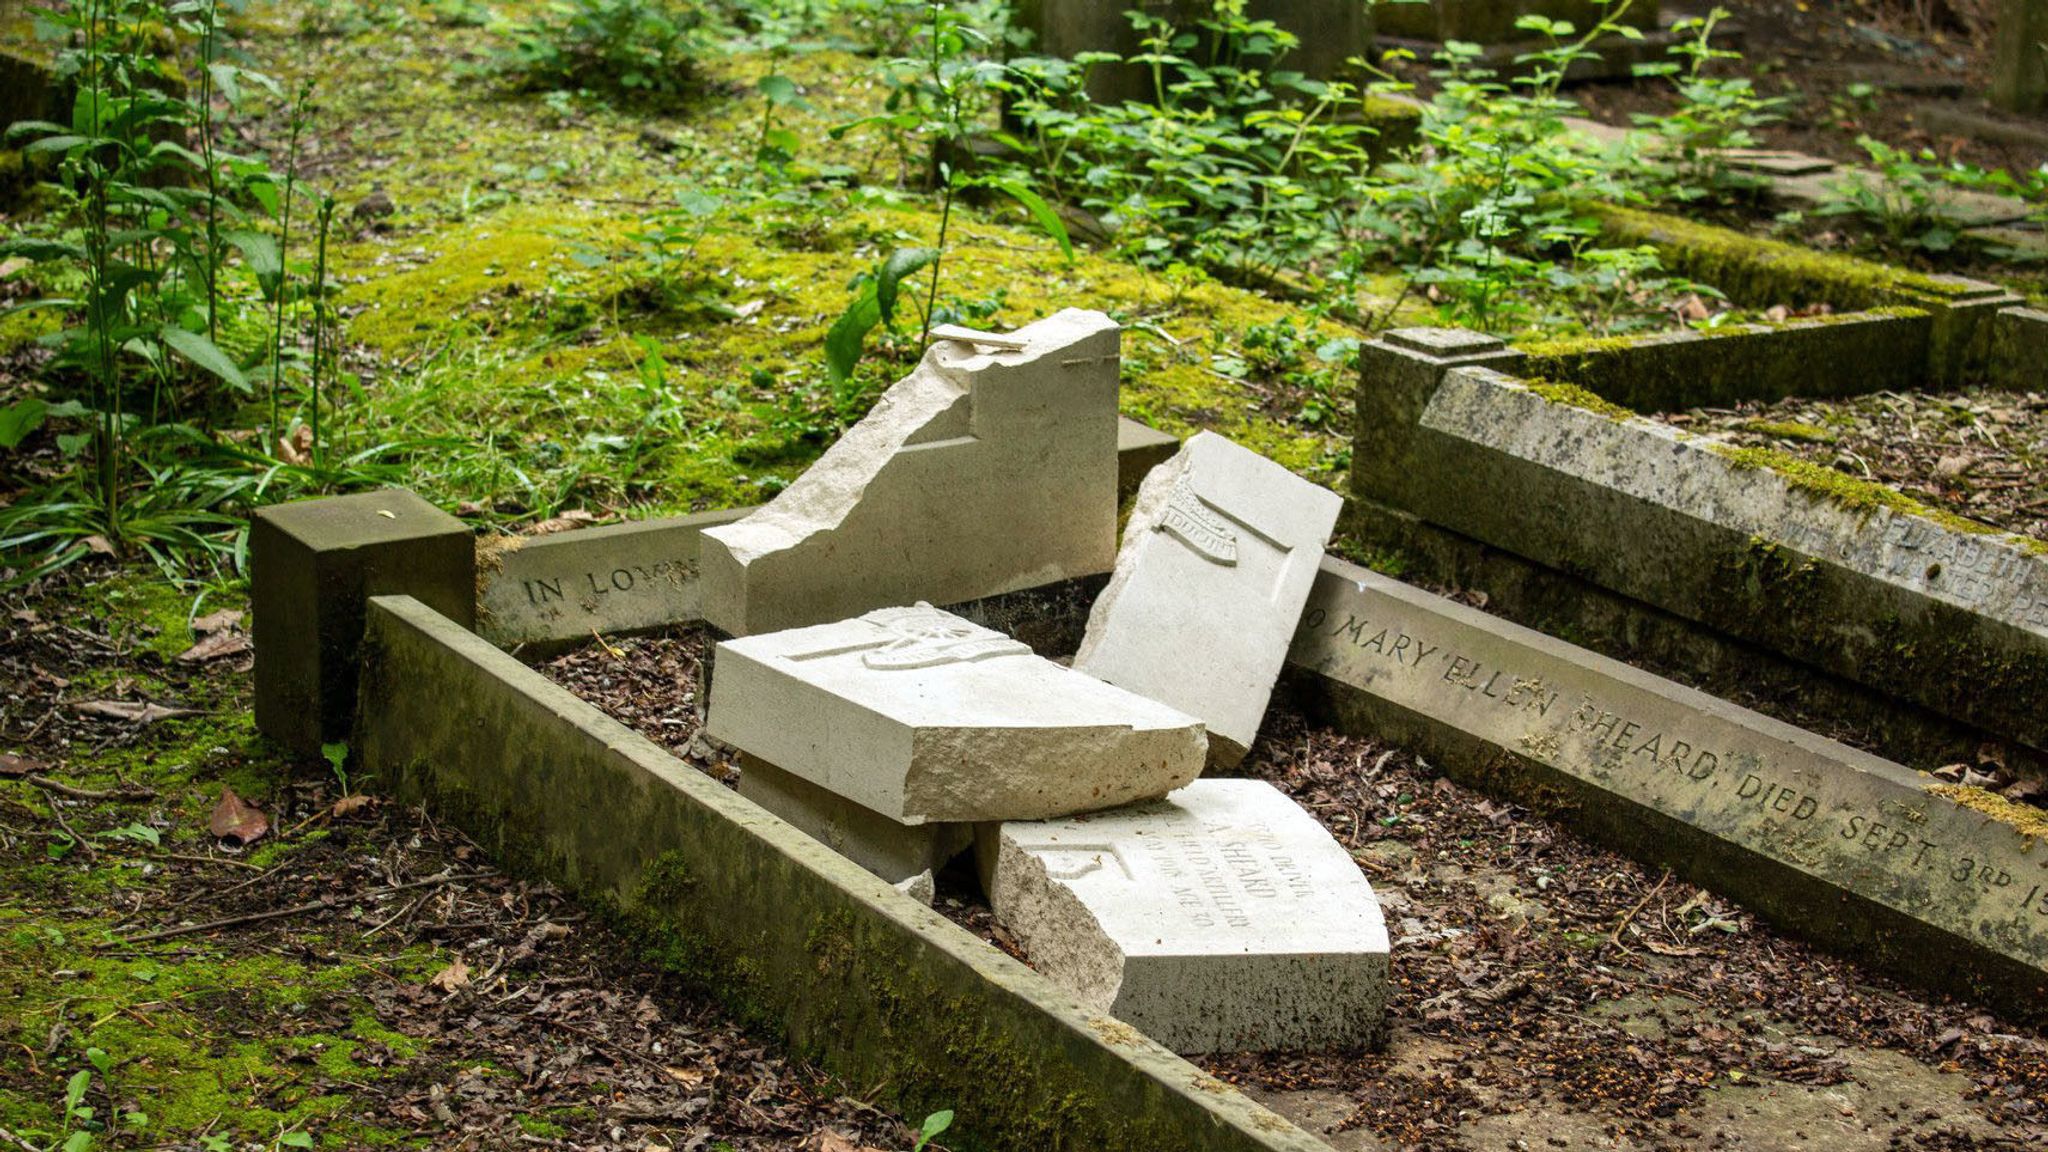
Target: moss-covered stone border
1761	273
1882	349
880	990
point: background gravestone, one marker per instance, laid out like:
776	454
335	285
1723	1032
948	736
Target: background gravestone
2019	73
1493	21
1331	32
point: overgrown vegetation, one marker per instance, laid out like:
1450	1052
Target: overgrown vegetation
201	359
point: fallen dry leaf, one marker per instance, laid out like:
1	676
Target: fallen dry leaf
214	646
567	521
11	265
348	804
15	767
140	712
453	978
1690	307
98	545
236	820
296	449
216	621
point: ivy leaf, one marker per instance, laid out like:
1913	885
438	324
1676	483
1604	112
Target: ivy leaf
1042	212
902	262
201	351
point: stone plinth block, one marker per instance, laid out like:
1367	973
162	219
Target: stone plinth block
1222	917
894	851
1219	554
917	715
312	566
986	470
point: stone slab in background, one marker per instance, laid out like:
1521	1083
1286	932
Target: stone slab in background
1220	918
1217	558
1946	886
1331	32
1139	449
918	715
617	578
982	472
895	852
826	959
312	564
2019	69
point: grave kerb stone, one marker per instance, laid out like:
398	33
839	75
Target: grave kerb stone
1945	885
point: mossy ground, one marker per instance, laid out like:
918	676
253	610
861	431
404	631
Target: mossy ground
515	344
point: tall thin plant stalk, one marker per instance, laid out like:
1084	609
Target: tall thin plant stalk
99	296
321	352
284	248
208	31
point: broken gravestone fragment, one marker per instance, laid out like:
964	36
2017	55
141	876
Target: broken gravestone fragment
1219	556
1220	918
897	852
990	468
918	716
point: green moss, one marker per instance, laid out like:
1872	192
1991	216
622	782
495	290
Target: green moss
539	1126
1762	272
1577	397
1790	430
1853	493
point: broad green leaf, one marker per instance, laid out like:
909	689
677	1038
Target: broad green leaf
843	342
54	144
780	90
1042	212
201	351
259	252
41	250
20	419
902	262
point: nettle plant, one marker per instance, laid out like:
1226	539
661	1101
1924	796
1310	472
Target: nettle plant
1487	216
1688	146
637	49
936	102
1236	164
